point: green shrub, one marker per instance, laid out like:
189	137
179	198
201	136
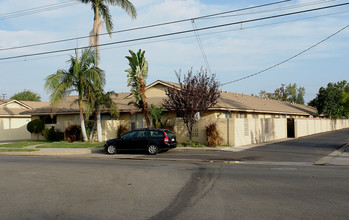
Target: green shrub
122	130
191	144
53	134
212	134
35	126
73	133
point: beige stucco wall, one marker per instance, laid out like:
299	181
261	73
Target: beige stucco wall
14	129
156	91
109	127
309	126
260	130
236	131
15	105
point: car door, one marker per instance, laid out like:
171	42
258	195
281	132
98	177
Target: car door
141	140
126	141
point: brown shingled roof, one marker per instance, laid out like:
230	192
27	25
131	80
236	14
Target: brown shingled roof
241	102
5	111
227	101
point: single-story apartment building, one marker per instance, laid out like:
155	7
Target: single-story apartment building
13	125
241	119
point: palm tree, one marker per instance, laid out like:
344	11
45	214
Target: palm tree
100	100
100	8
137	73
81	77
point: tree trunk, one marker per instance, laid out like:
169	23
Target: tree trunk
146	114
99	124
93	130
82	124
190	131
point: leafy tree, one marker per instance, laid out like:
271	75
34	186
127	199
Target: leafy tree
26	95
346	99
331	101
294	94
157	114
289	93
81	77
137	73
196	93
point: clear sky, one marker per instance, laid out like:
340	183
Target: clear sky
232	52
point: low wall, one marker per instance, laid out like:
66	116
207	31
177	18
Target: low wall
236	131
309	126
14	129
110	129
259	130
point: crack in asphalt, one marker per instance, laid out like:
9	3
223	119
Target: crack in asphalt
197	187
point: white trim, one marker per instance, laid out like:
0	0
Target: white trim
18	102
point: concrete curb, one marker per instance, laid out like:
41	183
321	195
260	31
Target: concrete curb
53	151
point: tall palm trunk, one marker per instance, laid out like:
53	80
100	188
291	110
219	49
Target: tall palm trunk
99	124
145	104
96	29
82	121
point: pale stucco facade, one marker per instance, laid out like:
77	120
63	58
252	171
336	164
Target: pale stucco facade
13	126
240	119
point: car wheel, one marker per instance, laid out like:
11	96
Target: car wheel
152	149
111	149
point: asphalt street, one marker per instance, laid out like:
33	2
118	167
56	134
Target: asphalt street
272	181
84	188
304	150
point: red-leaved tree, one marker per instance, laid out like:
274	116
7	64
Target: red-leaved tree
195	93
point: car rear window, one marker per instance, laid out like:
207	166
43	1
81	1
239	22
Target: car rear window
169	133
156	133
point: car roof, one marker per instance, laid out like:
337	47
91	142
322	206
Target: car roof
143	129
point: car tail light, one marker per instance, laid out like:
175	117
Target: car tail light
166	140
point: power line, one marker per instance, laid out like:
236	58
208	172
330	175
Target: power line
147	26
201	46
284	61
217	15
177	38
37	9
275	9
180	32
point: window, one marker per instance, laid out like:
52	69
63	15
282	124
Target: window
106	117
169	133
156	133
48	120
142	134
243	115
130	135
133	125
255	115
227	115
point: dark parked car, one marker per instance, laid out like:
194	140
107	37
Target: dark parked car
151	140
